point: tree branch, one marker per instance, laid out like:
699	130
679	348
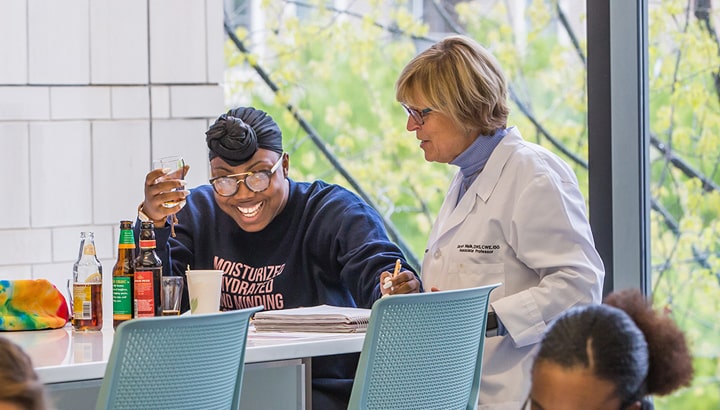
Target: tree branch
447	18
703	11
412	259
554	141
707	184
570	33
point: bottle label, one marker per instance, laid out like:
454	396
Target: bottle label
122	298
127	241
94	277
147	243
144	294
82	301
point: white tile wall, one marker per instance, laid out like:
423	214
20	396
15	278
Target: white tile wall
60	180
13	42
58	41
116	236
130	102
177	39
215	40
19	247
11	272
118	45
70	103
66	242
196	101
121	158
160	100
15	168
186	138
24	103
73	155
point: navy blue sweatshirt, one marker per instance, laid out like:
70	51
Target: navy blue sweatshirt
326	247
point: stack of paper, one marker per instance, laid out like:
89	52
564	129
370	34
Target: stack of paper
323	318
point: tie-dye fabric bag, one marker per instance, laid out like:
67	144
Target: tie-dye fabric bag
27	304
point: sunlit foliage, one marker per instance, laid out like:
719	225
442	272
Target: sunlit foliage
336	69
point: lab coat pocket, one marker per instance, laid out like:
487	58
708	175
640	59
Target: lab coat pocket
470	275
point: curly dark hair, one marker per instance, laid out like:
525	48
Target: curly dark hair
624	341
669	356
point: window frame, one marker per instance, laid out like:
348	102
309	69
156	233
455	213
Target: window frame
618	133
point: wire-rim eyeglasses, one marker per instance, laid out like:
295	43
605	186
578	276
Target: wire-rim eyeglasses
256	181
417	115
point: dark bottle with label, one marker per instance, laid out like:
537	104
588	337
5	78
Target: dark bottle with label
123	276
148	273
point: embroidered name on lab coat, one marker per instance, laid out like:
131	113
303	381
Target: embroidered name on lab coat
477	248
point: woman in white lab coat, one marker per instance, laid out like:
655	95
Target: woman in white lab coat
513	213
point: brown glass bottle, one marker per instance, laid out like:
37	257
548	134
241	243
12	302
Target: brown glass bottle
123	276
148	273
87	286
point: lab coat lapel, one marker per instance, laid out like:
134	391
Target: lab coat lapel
488	179
451	215
446	210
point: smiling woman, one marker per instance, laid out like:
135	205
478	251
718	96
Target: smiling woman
265	192
280	243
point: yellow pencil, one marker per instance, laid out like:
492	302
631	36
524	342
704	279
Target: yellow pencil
388	279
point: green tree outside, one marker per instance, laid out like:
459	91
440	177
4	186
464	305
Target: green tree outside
336	70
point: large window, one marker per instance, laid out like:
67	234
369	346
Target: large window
684	136
326	71
335	64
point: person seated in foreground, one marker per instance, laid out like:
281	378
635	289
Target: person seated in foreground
281	243
20	387
609	356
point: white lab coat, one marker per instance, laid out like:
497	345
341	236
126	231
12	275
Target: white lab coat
523	223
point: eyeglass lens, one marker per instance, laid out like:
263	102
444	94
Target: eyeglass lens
256	182
416	115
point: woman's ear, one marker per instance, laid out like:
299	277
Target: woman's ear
286	164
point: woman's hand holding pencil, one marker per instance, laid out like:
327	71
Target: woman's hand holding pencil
398	282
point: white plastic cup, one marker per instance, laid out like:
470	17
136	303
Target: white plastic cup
204	290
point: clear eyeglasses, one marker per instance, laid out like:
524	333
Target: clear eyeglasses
257	181
417	115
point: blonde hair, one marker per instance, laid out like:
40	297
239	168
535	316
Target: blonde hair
461	79
19	384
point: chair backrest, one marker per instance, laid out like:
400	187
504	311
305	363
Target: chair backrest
423	351
177	362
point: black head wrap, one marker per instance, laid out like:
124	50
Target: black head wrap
236	135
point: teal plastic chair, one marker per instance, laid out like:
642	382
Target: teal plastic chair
177	362
423	351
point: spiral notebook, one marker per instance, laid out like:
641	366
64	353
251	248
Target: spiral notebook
323	318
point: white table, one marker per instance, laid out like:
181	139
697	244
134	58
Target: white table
72	364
